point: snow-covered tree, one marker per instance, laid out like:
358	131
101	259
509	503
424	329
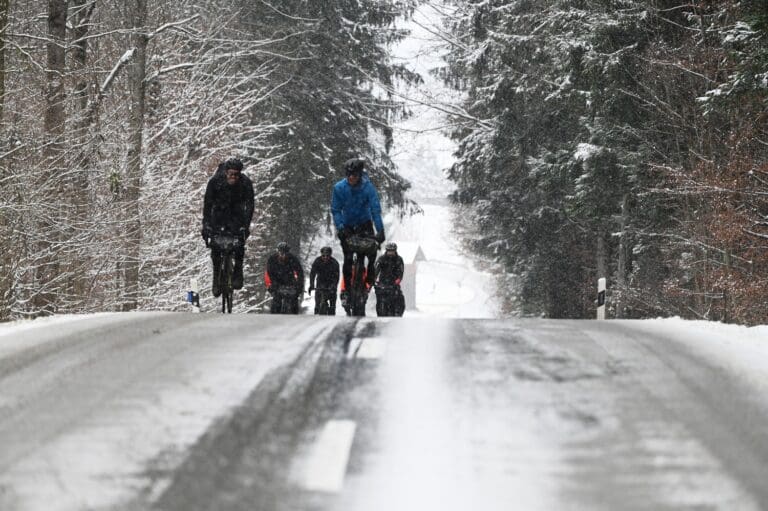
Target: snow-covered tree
149	98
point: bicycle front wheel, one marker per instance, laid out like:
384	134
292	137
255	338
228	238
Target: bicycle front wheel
228	268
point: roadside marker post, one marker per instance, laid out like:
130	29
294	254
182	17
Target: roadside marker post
601	298
193	295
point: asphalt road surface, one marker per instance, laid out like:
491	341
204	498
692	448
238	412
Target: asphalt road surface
203	412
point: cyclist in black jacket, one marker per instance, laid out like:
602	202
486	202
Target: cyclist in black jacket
390	267
389	271
326	269
228	209
284	269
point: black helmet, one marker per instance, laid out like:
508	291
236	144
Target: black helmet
391	246
233	163
326	251
283	247
354	166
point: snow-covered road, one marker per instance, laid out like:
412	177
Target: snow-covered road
184	411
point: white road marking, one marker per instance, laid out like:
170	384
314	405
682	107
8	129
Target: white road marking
372	347
354	346
326	465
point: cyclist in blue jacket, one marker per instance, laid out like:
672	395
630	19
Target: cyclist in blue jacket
356	209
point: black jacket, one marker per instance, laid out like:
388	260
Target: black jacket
327	273
284	273
230	207
389	269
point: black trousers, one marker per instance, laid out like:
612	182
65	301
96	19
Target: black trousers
365	229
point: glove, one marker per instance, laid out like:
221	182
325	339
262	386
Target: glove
345	233
310	290
207	233
379	237
397	282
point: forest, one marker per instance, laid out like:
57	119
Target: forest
623	139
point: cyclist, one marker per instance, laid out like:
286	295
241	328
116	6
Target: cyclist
228	209
284	269
356	209
326	269
389	271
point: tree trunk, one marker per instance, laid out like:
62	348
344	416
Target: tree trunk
621	271
54	116
601	255
78	183
83	10
4	6
5	259
137	75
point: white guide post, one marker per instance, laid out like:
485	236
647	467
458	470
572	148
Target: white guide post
601	298
193	295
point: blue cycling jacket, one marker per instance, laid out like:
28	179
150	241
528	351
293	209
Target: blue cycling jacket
355	205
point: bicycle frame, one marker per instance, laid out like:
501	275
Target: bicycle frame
227	245
287	297
324	295
358	291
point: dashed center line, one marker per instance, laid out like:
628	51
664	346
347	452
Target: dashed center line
326	464
369	347
372	347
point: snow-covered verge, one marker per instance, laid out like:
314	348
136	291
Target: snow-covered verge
738	349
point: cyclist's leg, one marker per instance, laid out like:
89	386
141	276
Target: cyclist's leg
331	303
371	271
237	275
346	269
216	259
274	307
371	257
318	300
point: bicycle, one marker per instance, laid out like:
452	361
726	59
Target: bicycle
327	299
287	300
227	245
357	296
388	300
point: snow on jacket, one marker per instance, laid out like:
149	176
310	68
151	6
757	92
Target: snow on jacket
354	205
230	207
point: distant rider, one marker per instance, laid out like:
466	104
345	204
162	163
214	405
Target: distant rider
326	269
356	209
284	269
389	271
228	209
